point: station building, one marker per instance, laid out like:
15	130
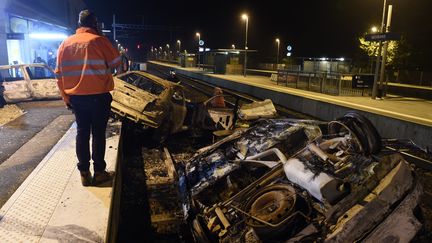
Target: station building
35	28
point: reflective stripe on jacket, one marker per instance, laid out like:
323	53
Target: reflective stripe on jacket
84	63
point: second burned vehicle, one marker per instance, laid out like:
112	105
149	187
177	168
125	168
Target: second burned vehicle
149	100
287	180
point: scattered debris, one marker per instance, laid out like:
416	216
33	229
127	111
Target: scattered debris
9	113
162	191
257	109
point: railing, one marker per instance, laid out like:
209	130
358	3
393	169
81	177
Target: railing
321	82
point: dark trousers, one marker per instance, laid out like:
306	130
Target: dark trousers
91	114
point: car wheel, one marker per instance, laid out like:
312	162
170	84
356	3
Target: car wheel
364	130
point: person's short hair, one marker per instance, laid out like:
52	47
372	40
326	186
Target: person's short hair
87	19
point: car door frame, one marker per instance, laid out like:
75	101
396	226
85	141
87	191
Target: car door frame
42	88
17	90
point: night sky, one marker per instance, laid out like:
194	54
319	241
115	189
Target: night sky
314	28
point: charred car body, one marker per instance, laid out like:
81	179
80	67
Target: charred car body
149	100
28	82
301	180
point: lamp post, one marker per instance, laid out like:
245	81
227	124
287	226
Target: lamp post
199	40
246	18
378	60
384	54
233	46
277	53
179	45
168	51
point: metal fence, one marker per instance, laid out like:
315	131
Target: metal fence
321	82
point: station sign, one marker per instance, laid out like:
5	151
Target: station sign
362	81
289	48
201	42
383	36
15	36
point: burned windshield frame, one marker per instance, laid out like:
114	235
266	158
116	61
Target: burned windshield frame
143	83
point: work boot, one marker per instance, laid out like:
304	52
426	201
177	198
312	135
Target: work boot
103	176
86	178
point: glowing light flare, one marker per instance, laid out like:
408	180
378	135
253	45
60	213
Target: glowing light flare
48	36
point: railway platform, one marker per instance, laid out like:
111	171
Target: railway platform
51	205
395	116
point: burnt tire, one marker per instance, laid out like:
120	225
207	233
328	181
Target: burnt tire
364	130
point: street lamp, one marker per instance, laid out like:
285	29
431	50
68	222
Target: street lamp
199	40
179	45
168	51
277	53
245	18
374	29
233	46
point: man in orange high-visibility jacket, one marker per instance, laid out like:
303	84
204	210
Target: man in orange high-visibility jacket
84	63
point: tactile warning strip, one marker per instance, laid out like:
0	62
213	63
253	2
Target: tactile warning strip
24	217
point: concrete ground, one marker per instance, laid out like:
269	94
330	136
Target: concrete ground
27	139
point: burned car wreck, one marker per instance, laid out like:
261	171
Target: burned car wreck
286	180
149	100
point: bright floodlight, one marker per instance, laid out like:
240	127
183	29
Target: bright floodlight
244	16
48	36
374	29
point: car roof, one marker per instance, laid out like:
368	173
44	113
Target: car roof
155	78
23	65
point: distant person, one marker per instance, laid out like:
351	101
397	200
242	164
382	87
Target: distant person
39	60
84	63
52	61
39	72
